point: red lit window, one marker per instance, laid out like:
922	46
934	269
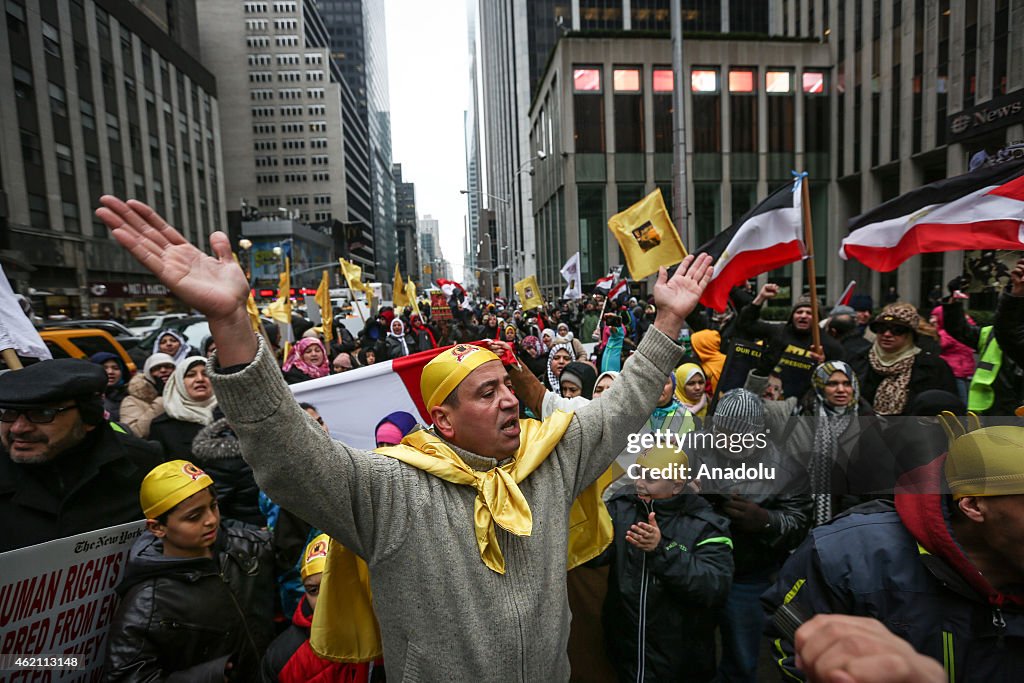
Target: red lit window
814	82
741	80
586	80
663	80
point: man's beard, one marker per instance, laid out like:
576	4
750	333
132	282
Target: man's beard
53	449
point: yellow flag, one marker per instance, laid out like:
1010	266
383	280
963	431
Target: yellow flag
529	293
251	309
410	294
281	309
323	300
399	296
354	278
647	236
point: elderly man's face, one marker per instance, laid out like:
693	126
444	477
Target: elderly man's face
34	443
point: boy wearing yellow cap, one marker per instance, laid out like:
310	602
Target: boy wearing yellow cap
197	597
943	568
467	527
670	566
290	659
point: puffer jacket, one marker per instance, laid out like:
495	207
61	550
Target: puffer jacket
142	404
786	497
659	614
216	451
903	567
290	659
183	619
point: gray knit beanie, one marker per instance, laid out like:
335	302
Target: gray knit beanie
739	412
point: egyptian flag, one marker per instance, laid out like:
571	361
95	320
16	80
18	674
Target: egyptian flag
983	209
769	236
604	284
619	290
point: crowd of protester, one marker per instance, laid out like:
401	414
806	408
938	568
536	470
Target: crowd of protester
224	582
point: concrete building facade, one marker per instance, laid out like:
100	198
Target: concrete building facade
103	100
406	226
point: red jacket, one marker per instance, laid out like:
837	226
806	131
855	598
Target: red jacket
290	659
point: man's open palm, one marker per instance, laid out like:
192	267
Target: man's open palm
213	285
681	293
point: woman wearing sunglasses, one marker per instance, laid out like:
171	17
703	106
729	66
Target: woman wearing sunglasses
896	368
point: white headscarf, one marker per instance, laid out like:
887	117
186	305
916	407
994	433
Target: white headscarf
400	336
178	404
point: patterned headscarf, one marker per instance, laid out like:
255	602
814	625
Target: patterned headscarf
533	342
832	422
295	359
553	382
820	378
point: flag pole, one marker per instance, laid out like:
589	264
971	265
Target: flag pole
805	201
10	357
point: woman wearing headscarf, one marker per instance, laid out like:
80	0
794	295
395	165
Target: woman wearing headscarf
559	356
144	401
425	339
563	333
612	339
117	382
534	354
690	389
392	429
577	379
547	337
174	344
398	343
958	356
188	407
846	460
897	368
306	360
511	334
707	345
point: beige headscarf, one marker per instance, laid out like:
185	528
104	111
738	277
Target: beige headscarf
178	404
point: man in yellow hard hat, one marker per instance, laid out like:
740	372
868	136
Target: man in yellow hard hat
466	527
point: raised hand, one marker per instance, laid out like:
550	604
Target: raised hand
676	297
213	285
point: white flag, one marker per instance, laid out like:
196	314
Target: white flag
571	272
16	330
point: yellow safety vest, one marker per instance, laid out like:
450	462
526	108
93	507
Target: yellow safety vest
981	395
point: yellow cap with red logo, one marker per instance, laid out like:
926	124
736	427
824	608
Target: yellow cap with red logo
447	370
314	559
168	484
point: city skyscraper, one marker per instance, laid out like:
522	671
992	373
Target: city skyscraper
471	124
358	42
405	224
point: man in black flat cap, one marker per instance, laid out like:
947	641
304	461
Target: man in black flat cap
64	469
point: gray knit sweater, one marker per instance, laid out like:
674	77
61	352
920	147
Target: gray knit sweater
444	616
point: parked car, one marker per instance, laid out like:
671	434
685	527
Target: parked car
145	324
195	329
122	334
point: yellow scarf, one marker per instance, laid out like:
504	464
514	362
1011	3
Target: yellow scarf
346	630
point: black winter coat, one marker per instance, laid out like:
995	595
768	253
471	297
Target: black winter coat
1008	328
175	436
91	486
182	619
929	372
870	562
659	614
216	451
750	326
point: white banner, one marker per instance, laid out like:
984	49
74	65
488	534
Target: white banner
57	599
16	330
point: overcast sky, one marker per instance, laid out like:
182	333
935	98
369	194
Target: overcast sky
428	66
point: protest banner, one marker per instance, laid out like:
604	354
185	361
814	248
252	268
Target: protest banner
57	600
794	368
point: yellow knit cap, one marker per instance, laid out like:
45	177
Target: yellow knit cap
168	484
314	558
441	375
987	462
659	458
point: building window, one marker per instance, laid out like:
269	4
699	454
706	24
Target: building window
626	80
741	81
31	149
318	143
628	103
313	58
287	41
38	211
321	176
15	16
592	222
22	82
255	7
287	60
70	211
284	7
314	75
293	144
663	80
813	82
318	160
704	80
286	24
315	93
586	80
252	25
778	82
58	105
64	163
51	40
316	110
318	127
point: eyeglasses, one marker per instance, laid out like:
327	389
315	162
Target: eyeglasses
895	330
39	416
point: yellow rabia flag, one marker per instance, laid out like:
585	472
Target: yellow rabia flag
529	294
281	309
323	300
251	309
398	297
647	236
354	277
410	294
